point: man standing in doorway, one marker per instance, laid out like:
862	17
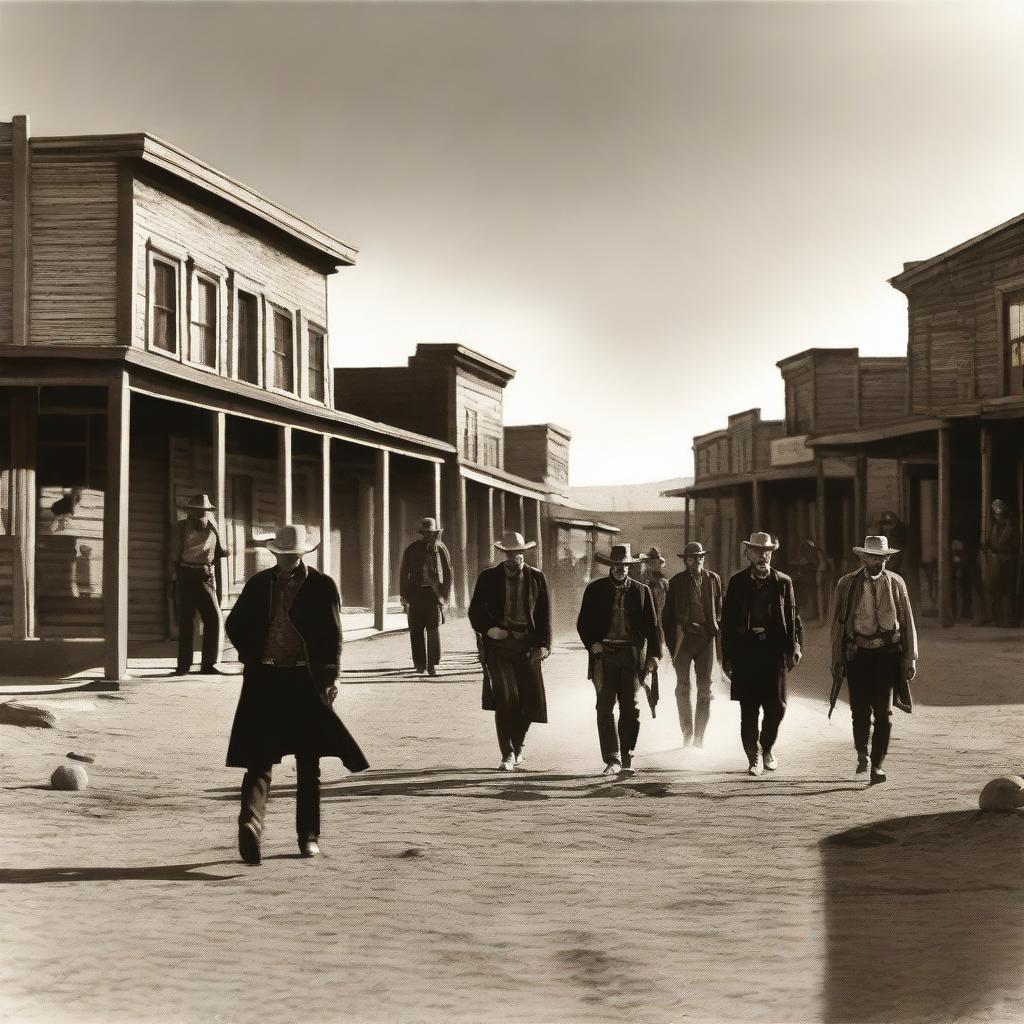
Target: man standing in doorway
195	573
693	636
1003	550
619	629
425	586
874	645
511	614
761	637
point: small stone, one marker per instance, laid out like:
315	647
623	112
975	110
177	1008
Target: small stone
69	776
87	758
1005	793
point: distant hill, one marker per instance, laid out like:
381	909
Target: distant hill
629	497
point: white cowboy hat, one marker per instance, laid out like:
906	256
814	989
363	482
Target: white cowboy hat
761	541
876	546
512	541
291	539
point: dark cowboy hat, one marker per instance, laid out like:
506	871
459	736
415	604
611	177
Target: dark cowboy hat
693	550
200	502
620	554
429	525
654	555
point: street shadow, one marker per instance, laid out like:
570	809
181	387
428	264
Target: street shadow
923	918
154	873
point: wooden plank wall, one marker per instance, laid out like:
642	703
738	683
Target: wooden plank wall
882	491
537	453
766	433
883	390
74	246
835	391
7	588
487	400
413	399
6	229
799	383
148	503
741	443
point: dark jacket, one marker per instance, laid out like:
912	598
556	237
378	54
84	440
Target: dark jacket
487	609
596	615
678	613
410	574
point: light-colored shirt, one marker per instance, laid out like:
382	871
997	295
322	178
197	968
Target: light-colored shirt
199	544
875	611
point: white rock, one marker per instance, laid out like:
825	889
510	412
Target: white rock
1005	793
69	776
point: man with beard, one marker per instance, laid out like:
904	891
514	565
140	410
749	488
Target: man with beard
511	614
874	645
652	573
619	629
425	586
761	636
693	636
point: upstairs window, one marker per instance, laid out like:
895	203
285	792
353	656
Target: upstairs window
317	388
489	451
204	323
471	436
284	352
165	306
248	338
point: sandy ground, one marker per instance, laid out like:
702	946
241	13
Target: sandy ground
451	893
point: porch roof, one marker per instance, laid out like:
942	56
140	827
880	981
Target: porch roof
491	476
805	471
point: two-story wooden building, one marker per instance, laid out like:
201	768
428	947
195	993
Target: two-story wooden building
163	331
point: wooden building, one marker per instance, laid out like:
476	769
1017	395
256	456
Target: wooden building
163	331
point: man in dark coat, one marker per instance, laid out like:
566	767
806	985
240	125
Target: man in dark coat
652	573
619	629
286	627
761	636
512	616
195	572
691	624
425	586
1003	551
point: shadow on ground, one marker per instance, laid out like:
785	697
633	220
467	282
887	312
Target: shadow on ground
924	918
153	873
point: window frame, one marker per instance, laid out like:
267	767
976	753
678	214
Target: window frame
197	273
241	283
270	333
312	327
164	254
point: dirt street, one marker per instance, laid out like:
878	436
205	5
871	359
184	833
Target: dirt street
449	892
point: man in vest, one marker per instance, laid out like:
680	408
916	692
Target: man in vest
425	586
874	645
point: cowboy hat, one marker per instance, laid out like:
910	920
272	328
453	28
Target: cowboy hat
620	554
761	541
429	525
199	501
693	550
654	555
1000	506
512	541
876	546
291	539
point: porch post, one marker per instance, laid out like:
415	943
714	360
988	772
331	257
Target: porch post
538	526
945	501
220	468
755	504
438	514
986	482
502	521
24	404
284	469
115	530
860	498
461	542
326	560
367	542
381	538
522	514
491	538
820	511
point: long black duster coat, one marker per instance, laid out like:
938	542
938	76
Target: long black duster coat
596	615
279	710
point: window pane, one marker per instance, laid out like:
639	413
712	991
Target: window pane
165	303
248	338
316	365
283	352
1016	320
204	326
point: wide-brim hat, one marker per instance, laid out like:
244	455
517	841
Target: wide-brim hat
878	546
761	542
200	502
693	550
654	555
429	525
620	554
1000	506
512	541
291	539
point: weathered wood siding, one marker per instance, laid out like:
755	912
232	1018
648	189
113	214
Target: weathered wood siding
767	431
6	586
539	453
882	490
883	390
149	610
835	391
486	400
398	396
954	343
799	384
73	251
741	442
6	229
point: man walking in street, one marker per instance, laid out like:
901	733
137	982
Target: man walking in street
874	645
652	573
286	627
511	614
761	637
195	574
425	586
692	628
619	629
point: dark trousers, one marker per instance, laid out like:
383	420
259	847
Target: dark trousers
256	792
617	678
508	662
693	726
196	593
1002	591
761	690
424	619
871	677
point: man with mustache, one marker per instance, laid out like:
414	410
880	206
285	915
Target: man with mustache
761	636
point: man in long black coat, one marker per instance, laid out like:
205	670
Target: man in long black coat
511	614
761	635
286	627
619	629
425	586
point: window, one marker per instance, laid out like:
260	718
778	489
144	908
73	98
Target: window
489	451
316	365
204	323
284	352
248	338
71	450
470	436
165	306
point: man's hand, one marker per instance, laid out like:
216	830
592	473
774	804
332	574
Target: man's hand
652	664
329	696
838	671
596	648
912	671
497	633
792	660
545	653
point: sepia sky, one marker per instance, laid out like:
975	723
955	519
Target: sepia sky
639	207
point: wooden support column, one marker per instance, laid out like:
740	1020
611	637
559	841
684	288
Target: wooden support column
538	535
367	542
860	499
986	482
491	536
522	515
284	470
220	468
502	524
944	528
326	552
381	538
438	513
24	404
756	491
115	530
461	542
820	507
21	246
